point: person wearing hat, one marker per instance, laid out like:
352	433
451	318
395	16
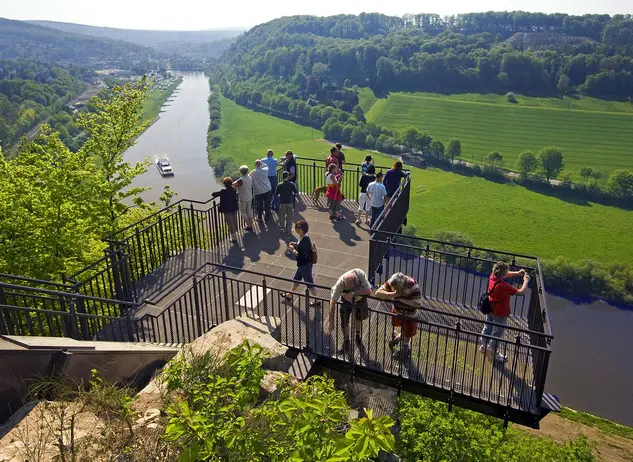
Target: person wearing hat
366	163
244	185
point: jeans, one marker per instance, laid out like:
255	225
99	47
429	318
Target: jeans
495	331
304	272
286	214
375	213
262	205
274	200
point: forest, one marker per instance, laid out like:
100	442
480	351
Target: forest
308	58
32	91
21	40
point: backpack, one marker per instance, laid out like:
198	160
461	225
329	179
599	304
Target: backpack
485	306
313	254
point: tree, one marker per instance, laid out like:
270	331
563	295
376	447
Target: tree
113	128
409	137
620	183
495	159
357	112
454	149
563	84
526	163
358	137
52	211
586	173
437	149
551	159
370	142
423	143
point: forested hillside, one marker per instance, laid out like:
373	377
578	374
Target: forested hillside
31	91
149	38
309	57
28	41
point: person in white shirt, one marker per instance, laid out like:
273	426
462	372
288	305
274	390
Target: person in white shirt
244	187
261	189
376	193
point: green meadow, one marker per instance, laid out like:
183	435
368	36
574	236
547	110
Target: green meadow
500	216
589	131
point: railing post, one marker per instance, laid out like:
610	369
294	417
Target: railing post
308	324
162	239
427	249
458	329
226	296
182	227
265	289
314	183
6	325
193	227
468	257
85	330
138	244
128	321
196	302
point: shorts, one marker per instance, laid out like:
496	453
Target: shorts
360	308
246	209
231	222
363	203
304	272
409	328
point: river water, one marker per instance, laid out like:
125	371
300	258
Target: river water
591	368
180	134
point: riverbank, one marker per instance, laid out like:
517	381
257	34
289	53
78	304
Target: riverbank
156	98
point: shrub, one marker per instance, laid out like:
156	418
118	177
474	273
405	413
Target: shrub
511	98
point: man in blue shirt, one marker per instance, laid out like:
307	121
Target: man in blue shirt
272	163
376	193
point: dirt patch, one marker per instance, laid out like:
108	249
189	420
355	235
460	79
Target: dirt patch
607	447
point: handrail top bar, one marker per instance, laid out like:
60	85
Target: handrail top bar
66	294
443	252
318	286
170	206
313	159
502	252
37	281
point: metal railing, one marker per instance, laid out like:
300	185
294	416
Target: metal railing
444	355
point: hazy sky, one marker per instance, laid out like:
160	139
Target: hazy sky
208	14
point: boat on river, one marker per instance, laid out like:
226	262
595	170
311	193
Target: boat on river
164	167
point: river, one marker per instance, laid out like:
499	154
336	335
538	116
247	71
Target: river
181	135
590	369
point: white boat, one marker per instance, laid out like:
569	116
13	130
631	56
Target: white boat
164	167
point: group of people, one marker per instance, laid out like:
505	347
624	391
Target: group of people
259	187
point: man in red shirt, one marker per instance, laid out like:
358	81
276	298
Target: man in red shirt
499	293
333	159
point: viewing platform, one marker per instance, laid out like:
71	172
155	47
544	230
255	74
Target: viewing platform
175	275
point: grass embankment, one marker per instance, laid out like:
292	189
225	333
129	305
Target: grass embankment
500	216
593	133
156	98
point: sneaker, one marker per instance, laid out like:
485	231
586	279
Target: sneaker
287	297
482	348
501	358
357	222
340	218
315	303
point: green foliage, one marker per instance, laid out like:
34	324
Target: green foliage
52	209
551	159
218	416
526	163
431	432
436	149
603	425
113	128
495	159
620	183
454	149
511	98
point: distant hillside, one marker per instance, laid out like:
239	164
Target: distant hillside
153	38
19	39
549	41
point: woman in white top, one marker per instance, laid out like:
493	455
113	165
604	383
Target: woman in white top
244	187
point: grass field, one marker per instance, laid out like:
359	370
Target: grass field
155	100
500	216
588	136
